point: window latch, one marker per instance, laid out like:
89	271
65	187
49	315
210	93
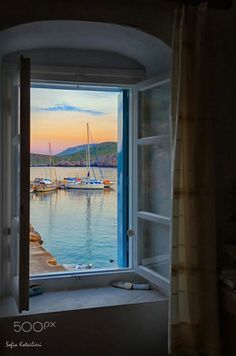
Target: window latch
130	233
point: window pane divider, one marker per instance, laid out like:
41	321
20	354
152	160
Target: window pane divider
154	217
155	274
152	140
156	260
152	83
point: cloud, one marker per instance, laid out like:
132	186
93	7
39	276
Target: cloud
71	108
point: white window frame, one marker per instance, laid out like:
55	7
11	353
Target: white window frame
158	280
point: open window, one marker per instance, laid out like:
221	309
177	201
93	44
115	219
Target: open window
151	170
143	174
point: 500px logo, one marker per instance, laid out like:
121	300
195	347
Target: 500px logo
36	326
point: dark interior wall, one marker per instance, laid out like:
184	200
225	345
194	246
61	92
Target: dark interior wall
152	16
224	115
131	330
224	109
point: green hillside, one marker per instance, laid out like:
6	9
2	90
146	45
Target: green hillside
38	159
102	149
106	152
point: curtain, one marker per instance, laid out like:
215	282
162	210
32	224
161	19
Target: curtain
193	327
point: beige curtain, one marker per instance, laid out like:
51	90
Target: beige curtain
194	326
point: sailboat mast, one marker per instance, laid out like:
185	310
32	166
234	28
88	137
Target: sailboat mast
50	160
88	150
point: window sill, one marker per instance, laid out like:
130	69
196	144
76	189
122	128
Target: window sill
82	299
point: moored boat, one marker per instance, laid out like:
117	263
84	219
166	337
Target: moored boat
45	185
78	183
88	182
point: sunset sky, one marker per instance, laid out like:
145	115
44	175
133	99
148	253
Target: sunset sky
60	117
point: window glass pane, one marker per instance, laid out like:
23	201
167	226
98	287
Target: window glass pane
154	179
154	111
154	249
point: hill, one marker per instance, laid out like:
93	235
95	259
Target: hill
39	159
72	150
102	154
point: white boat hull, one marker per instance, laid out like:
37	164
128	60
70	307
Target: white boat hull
88	186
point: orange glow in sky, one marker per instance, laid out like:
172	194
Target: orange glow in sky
60	117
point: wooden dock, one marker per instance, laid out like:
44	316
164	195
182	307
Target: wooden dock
41	261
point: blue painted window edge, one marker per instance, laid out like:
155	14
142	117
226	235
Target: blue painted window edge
122	175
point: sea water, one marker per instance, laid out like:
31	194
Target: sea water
77	226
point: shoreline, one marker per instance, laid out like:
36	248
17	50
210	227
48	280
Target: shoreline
41	260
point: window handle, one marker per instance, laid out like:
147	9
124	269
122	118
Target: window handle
130	233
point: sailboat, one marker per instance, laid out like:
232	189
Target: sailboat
43	185
107	182
88	182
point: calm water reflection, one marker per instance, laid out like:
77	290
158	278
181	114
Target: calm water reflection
77	226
